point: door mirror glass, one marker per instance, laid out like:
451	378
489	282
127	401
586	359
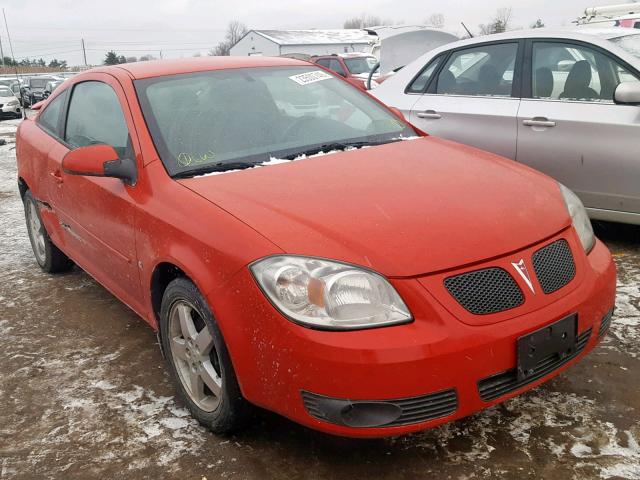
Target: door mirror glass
99	161
628	93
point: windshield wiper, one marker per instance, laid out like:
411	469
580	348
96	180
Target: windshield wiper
327	147
215	167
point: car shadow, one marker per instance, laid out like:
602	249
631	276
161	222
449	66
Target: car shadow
619	234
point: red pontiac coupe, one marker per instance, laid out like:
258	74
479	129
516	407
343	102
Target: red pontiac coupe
300	247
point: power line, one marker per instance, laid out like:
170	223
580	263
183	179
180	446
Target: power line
49	54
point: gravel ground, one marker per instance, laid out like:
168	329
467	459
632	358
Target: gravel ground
83	392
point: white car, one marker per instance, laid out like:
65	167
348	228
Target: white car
562	101
9	103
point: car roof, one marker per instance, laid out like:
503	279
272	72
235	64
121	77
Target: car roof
157	68
585	33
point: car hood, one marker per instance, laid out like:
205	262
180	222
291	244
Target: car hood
403	209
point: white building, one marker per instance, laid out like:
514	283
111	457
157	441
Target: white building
273	43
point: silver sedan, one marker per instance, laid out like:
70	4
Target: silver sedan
565	102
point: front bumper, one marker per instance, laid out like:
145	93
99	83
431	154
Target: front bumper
8	110
285	368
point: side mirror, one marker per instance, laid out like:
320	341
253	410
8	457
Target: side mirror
627	93
100	161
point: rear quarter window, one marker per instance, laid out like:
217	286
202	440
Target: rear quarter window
49	118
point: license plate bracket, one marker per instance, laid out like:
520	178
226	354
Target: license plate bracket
555	340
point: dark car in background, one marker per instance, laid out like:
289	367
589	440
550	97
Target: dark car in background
33	89
51	86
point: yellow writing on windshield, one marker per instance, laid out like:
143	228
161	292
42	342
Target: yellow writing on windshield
186	159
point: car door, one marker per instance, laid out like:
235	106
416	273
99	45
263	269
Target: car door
473	97
570	128
98	214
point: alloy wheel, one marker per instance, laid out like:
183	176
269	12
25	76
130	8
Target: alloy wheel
194	355
36	233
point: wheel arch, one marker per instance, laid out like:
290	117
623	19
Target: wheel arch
22	186
163	274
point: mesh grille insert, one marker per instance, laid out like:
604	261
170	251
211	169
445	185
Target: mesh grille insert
554	266
605	323
486	291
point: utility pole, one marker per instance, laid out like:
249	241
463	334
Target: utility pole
84	52
1	52
160	54
13	57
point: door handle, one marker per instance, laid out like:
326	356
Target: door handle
429	114
57	176
539	122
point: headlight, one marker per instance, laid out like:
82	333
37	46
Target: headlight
579	217
329	295
12	103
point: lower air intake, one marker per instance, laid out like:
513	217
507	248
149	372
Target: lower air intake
381	413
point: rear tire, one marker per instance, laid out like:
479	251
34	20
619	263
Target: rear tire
50	258
198	359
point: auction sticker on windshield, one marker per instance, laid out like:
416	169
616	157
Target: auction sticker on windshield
310	77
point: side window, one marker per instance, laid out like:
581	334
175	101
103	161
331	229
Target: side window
481	71
50	116
324	62
572	72
420	83
337	67
95	116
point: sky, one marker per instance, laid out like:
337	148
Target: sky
182	28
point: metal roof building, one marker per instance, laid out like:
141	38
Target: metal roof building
311	42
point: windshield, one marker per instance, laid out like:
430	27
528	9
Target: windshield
239	117
360	64
38	82
630	43
5	92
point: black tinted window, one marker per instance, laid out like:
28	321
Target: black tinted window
50	116
95	116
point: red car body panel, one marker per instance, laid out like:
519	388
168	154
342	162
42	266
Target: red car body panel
301	206
414	211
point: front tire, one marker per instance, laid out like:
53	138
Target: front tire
50	258
198	359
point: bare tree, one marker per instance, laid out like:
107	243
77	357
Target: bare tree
363	21
436	20
235	31
131	59
501	22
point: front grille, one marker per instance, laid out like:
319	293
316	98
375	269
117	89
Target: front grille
502	383
486	291
414	409
554	266
605	323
